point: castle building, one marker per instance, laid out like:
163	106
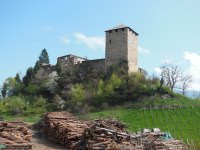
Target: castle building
121	44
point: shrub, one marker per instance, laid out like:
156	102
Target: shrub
31	90
17	104
165	90
52	107
92	108
41	102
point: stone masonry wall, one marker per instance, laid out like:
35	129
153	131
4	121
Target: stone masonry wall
132	51
98	64
116	46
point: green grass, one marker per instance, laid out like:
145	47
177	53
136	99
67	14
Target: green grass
24	119
177	100
182	123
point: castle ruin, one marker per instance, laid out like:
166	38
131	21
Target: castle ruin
121	44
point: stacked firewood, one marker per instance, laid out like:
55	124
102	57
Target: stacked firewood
63	127
15	135
111	134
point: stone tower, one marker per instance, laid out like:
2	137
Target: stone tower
122	43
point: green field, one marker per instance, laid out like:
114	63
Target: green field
182	123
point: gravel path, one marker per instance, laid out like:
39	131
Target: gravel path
40	142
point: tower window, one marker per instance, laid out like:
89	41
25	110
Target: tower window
116	30
110	41
110	31
123	29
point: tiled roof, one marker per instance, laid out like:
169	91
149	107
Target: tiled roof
121	26
118	27
45	64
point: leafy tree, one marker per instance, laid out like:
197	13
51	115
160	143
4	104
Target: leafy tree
52	85
41	102
161	82
11	86
40	76
58	67
37	67
31	89
17	78
44	57
17	104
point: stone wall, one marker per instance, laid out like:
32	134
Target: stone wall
98	64
132	51
122	44
141	71
116	46
68	60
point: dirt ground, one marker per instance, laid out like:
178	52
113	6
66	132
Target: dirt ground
40	142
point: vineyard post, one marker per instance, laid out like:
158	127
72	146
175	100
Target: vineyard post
174	106
193	125
186	105
150	107
156	106
181	134
146	118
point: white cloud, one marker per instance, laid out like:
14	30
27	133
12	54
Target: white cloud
142	50
91	42
194	69
65	40
158	70
166	61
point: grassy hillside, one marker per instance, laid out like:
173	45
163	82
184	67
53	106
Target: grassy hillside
182	121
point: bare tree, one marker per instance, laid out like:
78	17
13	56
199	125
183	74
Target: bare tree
186	81
171	74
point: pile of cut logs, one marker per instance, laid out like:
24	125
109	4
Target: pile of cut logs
111	134
63	127
15	135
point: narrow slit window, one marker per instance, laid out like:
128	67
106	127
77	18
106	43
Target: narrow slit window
116	30
110	31
110	41
123	29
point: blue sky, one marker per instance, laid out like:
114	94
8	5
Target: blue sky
168	31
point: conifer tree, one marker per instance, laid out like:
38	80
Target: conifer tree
58	67
44	57
29	76
17	78
4	89
37	67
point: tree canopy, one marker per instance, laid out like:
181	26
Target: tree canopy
36	67
17	78
44	57
58	67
